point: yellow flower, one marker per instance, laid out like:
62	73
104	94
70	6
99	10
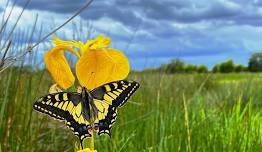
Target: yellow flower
96	63
86	150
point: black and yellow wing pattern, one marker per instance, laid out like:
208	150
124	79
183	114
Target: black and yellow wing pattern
108	98
65	106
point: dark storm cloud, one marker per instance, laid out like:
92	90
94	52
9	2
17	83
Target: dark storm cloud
131	13
126	17
191	13
97	10
58	6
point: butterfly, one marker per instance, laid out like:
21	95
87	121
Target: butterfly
88	111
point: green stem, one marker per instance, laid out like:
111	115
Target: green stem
89	142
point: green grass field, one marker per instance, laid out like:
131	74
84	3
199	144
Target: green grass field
181	112
168	113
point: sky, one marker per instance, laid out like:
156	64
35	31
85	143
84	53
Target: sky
152	32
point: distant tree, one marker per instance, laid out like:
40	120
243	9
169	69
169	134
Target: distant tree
255	63
216	68
190	68
240	68
227	67
174	66
202	69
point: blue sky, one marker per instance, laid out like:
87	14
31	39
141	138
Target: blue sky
152	32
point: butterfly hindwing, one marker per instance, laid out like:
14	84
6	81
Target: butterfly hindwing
65	106
108	98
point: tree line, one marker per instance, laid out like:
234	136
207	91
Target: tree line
179	66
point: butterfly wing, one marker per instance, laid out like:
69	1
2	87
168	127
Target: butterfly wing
65	106
108	98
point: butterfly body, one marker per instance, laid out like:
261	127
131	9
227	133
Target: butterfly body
89	110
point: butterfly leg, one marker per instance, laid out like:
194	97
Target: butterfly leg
81	143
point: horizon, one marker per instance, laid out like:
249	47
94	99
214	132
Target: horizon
152	33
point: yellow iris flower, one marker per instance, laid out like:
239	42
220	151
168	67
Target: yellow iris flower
86	150
96	65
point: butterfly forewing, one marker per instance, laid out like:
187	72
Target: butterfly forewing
65	106
108	98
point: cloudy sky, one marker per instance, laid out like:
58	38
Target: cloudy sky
152	32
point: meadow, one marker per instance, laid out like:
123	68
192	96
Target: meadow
169	112
178	112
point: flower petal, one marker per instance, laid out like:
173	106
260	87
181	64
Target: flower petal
58	66
54	89
100	42
86	150
58	42
100	66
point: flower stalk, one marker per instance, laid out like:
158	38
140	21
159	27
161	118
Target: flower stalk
90	142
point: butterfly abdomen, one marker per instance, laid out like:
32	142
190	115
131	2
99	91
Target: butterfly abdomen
89	110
